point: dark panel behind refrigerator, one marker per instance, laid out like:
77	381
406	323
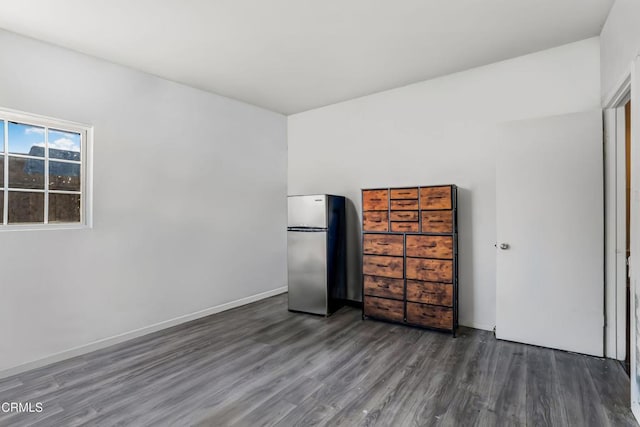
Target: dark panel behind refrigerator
336	252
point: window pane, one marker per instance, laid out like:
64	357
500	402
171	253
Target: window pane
1	171
64	207
64	176
26	207
26	173
1	207
64	145
26	139
1	135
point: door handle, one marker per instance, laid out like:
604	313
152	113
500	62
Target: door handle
504	246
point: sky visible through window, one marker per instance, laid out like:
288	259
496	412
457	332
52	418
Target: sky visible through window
22	139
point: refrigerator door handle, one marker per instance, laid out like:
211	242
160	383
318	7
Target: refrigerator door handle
307	229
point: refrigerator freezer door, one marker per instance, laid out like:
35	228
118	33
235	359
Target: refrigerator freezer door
307	271
308	211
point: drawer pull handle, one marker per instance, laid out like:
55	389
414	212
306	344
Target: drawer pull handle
382	265
383	244
428	269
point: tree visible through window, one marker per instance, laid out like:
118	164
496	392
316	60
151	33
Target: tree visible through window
41	172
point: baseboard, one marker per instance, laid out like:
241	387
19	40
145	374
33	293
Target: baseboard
116	339
476	325
636	411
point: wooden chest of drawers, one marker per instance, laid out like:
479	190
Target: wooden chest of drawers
410	256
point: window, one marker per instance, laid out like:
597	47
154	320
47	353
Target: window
43	170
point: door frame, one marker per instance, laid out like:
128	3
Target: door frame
615	222
630	83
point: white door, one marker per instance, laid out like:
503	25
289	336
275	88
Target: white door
549	202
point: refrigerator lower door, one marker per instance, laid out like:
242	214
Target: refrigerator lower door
307	271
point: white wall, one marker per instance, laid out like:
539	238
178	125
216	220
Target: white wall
189	206
432	133
620	40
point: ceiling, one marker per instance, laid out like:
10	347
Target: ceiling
294	55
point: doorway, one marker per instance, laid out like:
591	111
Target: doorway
622	228
618	192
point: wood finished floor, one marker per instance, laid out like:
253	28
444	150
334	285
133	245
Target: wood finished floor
261	365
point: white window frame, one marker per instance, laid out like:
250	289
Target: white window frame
86	177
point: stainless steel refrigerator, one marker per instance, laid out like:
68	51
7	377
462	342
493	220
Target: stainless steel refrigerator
316	253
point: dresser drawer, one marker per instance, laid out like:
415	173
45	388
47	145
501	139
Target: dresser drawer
437	221
381	308
404	216
404	205
375	221
435	198
384	266
430	293
430	246
404	227
384	287
404	193
430	316
383	244
430	270
375	200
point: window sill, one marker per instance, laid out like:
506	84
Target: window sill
43	227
